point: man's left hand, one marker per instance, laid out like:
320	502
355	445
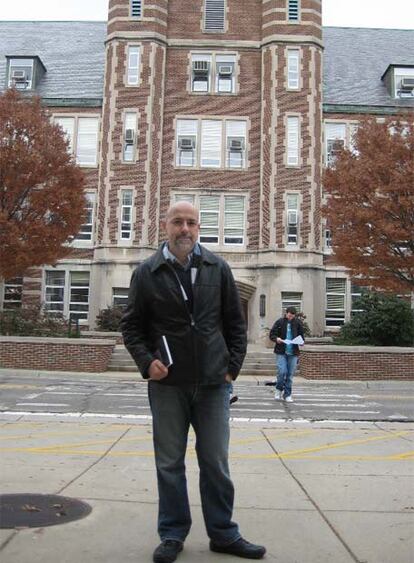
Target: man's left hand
229	378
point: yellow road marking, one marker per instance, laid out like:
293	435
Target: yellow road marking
20	386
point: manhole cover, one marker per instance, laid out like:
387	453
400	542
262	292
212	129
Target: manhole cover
34	511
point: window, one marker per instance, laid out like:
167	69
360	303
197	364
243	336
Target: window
293	10
119	296
133	65
130	133
328	238
293	58
292	141
214	13
67	293
356	293
213	73
291	299
292	219
126	214
86	230
222	217
404	82
12	295
82	134
211	143
136	8
21	74
335	302
335	135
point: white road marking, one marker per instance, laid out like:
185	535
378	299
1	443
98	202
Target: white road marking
42	404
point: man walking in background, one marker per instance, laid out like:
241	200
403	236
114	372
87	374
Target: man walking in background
287	354
184	298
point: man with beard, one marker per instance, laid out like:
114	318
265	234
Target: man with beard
185	330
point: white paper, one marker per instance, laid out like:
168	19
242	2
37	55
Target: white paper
298	340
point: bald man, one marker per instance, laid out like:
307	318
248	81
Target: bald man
185	330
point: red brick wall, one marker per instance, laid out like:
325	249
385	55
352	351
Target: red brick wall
354	363
58	354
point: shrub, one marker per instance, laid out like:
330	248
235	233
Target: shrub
109	319
32	321
306	330
384	320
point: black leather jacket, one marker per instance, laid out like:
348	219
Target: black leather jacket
205	348
279	329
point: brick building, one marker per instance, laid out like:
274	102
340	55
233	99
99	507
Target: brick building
236	110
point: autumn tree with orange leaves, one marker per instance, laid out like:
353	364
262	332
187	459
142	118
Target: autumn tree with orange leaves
370	204
41	189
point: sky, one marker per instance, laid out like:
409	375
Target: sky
343	13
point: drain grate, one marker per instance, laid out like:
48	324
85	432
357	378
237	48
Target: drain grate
34	511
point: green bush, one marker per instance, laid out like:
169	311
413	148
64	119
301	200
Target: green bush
109	319
32	321
384	320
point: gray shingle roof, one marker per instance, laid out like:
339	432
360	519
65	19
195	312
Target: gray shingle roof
72	52
74	55
355	60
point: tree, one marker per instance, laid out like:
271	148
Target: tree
370	204
382	320
42	202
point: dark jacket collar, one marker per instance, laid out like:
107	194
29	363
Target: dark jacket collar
207	257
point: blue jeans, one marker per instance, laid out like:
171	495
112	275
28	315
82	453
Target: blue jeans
286	367
173	409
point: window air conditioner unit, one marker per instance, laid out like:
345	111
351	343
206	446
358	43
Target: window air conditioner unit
407	84
186	143
235	144
201	67
129	135
292	217
19	75
225	70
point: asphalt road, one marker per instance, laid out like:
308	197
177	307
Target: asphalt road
124	396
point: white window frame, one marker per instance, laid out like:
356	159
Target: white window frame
292	230
293	69
119	296
87	227
212	27
126	225
67	302
218	228
129	152
133	71
292	299
14	64
335	322
73	134
197	129
293	135
399	74
215	60
15	288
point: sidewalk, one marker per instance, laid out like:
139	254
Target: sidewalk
312	493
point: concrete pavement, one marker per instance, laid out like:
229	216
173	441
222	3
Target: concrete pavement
311	492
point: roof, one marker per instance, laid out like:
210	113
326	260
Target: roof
73	53
355	59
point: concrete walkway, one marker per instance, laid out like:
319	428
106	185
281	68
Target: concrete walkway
312	493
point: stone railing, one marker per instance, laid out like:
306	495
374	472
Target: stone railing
56	354
356	362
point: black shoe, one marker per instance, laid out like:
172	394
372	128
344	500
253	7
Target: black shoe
240	548
167	551
233	399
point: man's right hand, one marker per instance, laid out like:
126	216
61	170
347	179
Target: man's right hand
157	370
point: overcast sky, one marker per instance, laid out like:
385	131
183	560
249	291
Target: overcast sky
397	14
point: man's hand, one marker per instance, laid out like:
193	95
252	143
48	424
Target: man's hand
157	370
279	340
229	378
